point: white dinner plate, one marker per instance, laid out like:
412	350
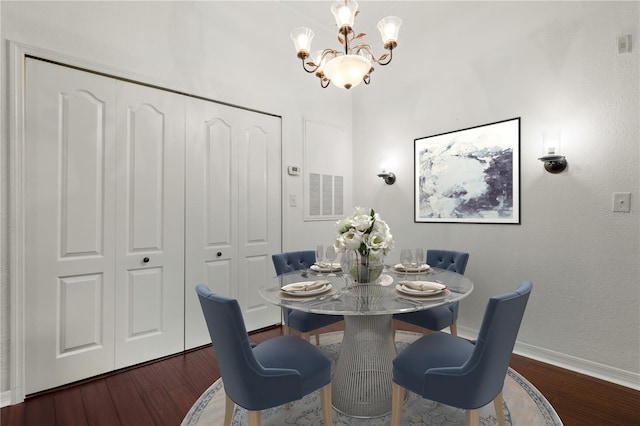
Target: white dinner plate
386	280
421	268
304	293
407	290
318	268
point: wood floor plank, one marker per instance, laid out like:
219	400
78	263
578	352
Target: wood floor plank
99	407
13	415
41	412
69	407
130	407
162	408
201	369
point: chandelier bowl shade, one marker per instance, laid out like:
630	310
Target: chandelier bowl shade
347	71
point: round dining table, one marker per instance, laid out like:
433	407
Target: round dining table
361	382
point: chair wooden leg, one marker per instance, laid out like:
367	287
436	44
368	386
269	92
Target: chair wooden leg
286	330
397	398
497	404
454	329
325	402
305	336
472	417
254	418
229	405
317	339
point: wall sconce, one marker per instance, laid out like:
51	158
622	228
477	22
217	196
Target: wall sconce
553	161
389	177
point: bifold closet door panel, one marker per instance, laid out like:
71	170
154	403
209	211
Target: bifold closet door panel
70	166
149	298
259	213
233	210
211	205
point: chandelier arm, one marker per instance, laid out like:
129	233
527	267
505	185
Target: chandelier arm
362	46
324	82
325	53
310	70
387	61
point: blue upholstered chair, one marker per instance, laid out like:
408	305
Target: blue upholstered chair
453	371
305	322
273	373
440	317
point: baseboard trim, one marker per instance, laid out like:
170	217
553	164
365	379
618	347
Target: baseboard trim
600	371
5	399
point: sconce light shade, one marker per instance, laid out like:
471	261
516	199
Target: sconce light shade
553	161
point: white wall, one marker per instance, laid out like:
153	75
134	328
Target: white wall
553	64
234	52
457	65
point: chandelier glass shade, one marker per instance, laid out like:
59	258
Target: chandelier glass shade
353	63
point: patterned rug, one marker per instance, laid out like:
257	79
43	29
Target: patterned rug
523	404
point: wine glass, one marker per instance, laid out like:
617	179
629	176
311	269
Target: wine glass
406	259
420	260
319	256
331	256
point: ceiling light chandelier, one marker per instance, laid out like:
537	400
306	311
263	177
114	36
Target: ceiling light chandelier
352	65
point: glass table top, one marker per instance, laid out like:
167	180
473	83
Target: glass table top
340	295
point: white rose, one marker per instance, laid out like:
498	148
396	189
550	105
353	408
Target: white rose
350	240
380	226
343	225
376	241
361	211
362	222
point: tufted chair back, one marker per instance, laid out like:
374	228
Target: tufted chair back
293	261
455	261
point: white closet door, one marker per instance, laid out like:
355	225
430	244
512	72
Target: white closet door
70	200
233	218
211	226
259	213
149	266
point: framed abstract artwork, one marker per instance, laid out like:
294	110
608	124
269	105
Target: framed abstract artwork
470	175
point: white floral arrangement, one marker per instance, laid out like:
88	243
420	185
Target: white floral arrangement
365	232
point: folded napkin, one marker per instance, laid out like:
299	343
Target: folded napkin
413	268
427	286
305	286
326	265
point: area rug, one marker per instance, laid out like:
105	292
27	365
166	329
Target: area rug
523	404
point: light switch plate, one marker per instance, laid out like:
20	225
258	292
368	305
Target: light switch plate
622	202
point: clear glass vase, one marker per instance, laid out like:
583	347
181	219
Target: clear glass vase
363	268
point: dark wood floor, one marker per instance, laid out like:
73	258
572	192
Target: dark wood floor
161	393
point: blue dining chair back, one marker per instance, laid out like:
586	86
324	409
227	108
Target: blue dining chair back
273	373
451	260
306	323
440	317
453	371
293	261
